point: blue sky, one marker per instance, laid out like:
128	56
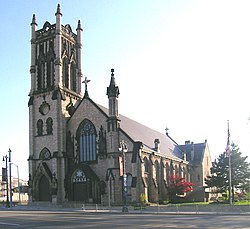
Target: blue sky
179	64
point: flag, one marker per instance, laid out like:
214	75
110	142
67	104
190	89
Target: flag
228	140
120	160
4	174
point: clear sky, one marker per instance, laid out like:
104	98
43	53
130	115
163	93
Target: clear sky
184	65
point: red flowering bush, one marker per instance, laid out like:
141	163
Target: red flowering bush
178	186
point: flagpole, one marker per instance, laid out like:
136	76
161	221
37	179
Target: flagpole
230	179
229	166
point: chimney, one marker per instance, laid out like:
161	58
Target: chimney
157	145
192	151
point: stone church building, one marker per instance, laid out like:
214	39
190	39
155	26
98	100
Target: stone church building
83	152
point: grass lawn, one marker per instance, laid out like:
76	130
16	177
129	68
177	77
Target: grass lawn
242	202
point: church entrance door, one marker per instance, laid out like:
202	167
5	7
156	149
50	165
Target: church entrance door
80	192
85	186
44	189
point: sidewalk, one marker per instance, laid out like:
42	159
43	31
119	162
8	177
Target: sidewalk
160	209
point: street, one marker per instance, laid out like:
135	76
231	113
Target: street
79	219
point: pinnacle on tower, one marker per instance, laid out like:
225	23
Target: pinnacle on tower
58	11
79	26
112	90
33	20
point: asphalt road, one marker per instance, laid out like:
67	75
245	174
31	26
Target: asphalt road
78	219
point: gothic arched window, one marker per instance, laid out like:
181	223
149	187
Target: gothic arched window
167	173
87	141
45	154
50	73
41	68
66	72
49	125
40	77
157	173
39	127
73	76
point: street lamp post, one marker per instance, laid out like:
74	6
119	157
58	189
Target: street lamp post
5	158
123	149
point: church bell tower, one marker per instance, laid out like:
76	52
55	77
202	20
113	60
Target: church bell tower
56	74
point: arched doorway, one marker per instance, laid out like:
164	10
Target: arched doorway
80	190
44	189
85	186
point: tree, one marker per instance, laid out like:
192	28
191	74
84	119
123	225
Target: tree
240	171
178	186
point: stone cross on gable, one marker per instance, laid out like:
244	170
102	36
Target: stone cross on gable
86	81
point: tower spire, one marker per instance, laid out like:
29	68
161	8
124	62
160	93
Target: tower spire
79	55
33	55
58	47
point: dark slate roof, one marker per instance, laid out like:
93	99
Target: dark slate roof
198	148
139	132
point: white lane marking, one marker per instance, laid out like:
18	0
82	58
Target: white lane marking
10	224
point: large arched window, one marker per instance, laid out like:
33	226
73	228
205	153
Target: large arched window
41	75
66	72
50	73
41	68
87	141
73	76
50	65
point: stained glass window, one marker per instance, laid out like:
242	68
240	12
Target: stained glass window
87	142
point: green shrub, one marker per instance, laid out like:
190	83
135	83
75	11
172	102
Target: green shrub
143	199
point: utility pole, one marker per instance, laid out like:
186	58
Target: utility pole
10	177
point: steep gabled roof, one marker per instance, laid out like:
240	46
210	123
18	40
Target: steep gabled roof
146	135
139	132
